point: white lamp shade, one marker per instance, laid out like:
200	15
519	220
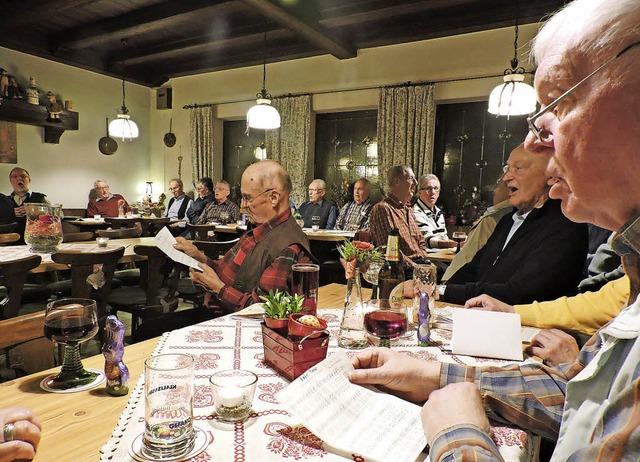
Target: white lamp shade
263	115
123	127
513	97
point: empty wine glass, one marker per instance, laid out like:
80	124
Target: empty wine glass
371	276
69	322
224	218
459	237
385	320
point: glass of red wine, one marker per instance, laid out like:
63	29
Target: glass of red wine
69	322
385	320
459	237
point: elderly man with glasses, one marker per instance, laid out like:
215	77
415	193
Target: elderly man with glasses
105	203
318	206
589	407
261	260
429	216
21	194
178	205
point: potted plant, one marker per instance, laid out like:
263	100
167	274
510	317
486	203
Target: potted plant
278	306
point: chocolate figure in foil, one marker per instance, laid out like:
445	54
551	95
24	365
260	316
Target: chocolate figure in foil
113	351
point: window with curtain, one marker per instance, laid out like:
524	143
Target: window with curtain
239	151
470	148
346	149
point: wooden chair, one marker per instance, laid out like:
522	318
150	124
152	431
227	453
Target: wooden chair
13	275
9	228
9	238
148	299
81	265
215	249
116	223
121	233
151	226
26	349
200	232
77	237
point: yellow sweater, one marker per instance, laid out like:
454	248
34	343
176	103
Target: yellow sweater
584	313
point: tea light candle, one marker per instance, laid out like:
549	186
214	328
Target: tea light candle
230	396
102	241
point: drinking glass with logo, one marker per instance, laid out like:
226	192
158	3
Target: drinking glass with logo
315	223
306	279
385	320
168	425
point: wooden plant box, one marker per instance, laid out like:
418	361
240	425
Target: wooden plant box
292	358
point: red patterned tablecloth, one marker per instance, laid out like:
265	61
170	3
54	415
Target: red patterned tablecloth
270	434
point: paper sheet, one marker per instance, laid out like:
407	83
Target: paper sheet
165	241
487	334
254	313
351	418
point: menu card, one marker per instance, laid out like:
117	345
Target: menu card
165	241
351	418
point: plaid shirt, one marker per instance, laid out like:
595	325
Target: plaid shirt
354	214
591	406
213	210
391	213
276	276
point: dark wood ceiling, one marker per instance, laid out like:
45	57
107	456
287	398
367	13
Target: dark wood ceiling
150	41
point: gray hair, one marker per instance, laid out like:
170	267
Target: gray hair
323	184
177	180
367	183
226	183
19	168
397	171
428	177
95	183
595	28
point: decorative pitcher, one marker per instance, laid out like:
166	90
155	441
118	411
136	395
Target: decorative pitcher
44	227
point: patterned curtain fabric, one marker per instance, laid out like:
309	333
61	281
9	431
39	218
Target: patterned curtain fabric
290	144
406	122
201	142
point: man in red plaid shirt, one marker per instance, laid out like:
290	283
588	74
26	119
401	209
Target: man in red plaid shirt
259	262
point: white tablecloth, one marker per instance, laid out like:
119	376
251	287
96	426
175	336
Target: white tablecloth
270	434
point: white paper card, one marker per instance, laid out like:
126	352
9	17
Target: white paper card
165	241
487	334
351	418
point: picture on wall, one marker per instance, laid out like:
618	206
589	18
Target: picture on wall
8	143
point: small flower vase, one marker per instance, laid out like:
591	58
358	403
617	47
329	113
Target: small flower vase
352	334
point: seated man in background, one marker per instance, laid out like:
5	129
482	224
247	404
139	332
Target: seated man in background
221	209
105	204
318	206
603	265
534	254
177	208
429	216
394	211
205	196
261	261
481	230
354	215
21	182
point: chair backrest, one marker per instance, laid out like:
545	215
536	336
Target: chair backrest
116	223
82	266
25	345
200	232
214	249
9	228
151	226
13	275
77	237
122	233
9	238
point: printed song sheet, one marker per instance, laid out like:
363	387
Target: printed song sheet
351	418
165	240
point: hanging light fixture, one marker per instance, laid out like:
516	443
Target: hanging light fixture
513	97
123	127
263	115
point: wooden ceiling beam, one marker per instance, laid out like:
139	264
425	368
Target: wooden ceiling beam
307	28
140	21
34	11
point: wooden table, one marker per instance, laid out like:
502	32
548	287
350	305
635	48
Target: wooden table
329	235
445	255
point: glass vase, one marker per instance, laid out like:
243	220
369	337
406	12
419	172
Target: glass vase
352	334
43	230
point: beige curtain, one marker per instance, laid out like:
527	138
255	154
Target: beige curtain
201	142
290	144
406	121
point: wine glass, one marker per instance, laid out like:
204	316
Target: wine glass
371	276
315	221
459	237
71	321
385	320
224	218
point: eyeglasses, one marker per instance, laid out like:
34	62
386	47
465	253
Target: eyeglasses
430	188
248	199
542	134
104	188
19	177
315	189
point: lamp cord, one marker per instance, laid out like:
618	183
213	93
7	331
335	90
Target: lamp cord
514	61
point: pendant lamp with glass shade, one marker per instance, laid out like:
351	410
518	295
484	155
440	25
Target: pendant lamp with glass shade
513	97
263	115
123	127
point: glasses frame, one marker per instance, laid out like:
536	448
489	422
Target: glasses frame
543	135
430	188
250	200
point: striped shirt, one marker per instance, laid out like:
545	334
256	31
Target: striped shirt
354	214
591	406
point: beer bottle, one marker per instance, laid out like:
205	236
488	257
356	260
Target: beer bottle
391	276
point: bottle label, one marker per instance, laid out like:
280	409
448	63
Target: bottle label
397	294
392	253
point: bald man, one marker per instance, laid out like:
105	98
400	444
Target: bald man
261	261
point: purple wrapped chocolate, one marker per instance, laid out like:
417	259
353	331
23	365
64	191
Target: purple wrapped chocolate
113	351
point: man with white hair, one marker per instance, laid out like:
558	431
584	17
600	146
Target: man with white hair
105	203
318	206
587	57
429	216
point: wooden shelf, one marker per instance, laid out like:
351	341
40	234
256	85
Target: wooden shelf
24	113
